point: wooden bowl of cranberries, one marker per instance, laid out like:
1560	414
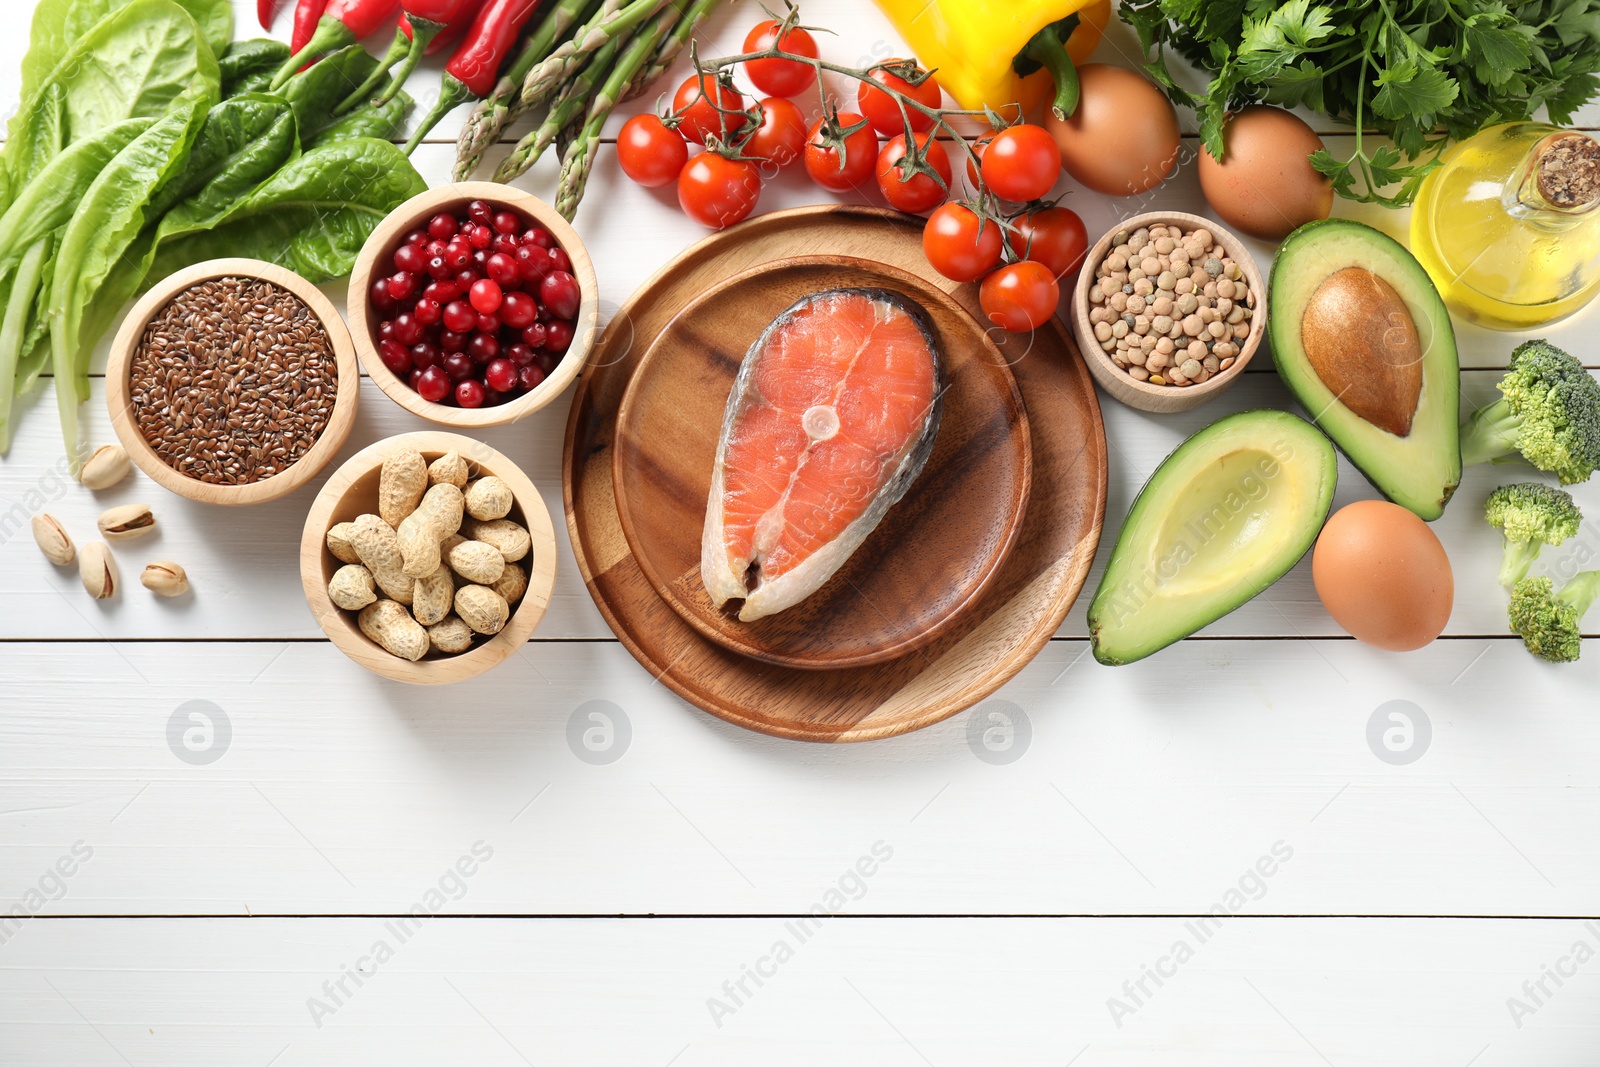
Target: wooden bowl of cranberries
473	304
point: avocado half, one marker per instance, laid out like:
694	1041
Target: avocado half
1362	339
1223	517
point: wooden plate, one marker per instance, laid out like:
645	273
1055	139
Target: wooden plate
934	553
1024	606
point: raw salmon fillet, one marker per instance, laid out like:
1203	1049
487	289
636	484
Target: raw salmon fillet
830	420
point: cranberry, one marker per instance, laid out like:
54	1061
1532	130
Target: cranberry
434	248
480	261
465	277
532	265
402	285
441	226
452	341
559	292
558	335
457	256
381	300
480	236
502	268
459	316
559	260
414	377
395	356
489	324
486	296
533	335
434	384
410	258
427	311
407	330
520	354
518	310
416	237
538	237
386	330
443	291
483	347
547	361
504	242
470	394
506	222
459	366
437	267
501	374
425	354
530	377
480	211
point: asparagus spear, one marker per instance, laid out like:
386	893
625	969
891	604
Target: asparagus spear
494	112
567	108
545	80
580	156
668	51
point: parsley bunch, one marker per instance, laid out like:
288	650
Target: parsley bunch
1420	72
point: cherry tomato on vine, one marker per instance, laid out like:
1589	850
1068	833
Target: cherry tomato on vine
908	190
1054	236
780	77
651	154
1021	163
979	147
1019	296
883	111
840	172
697	108
781	137
957	247
717	191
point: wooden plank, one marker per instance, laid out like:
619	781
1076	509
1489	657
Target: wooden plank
1257	993
1135	790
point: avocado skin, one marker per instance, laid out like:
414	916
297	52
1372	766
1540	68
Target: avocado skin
1260	428
1420	471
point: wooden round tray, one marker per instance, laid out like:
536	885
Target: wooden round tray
934	553
991	643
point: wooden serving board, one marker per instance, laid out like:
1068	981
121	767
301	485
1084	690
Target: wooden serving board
1026	603
936	551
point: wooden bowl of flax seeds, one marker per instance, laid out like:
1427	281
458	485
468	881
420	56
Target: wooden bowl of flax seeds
233	381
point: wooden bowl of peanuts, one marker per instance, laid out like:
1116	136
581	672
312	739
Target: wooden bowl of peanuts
1173	338
428	558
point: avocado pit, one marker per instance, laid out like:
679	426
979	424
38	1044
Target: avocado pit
1360	339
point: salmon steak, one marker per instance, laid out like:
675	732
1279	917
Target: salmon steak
831	418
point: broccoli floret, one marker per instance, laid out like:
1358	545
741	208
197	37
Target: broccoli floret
1549	412
1548	621
1532	516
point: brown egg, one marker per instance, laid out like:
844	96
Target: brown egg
1265	186
1383	575
1123	139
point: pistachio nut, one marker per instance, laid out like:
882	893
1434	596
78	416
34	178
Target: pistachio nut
53	540
126	521
98	570
164	578
105	467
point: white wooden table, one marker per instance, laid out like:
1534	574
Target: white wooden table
1031	894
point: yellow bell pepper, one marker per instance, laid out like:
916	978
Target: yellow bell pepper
975	47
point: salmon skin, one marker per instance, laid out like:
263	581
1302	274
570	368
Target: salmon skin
830	420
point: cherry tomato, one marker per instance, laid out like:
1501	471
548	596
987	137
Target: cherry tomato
1019	296
716	191
957	247
836	171
780	77
979	147
651	154
883	111
1054	236
697	108
919	192
781	137
1021	163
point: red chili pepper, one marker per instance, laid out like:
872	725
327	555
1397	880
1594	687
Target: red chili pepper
265	11
306	15
343	23
424	22
475	64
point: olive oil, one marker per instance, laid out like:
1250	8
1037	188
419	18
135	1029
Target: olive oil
1507	226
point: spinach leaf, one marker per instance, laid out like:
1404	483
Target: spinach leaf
58	25
317	92
312	216
109	219
247	66
243	142
380	122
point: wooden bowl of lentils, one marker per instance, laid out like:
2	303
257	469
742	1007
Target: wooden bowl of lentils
1168	310
233	381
